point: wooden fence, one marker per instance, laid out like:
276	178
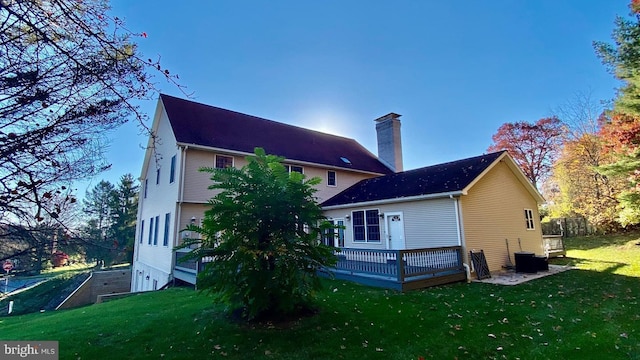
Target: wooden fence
568	227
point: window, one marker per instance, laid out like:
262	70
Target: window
150	230
146	182
165	240
331	178
141	231
294	168
172	174
223	161
155	231
366	226
158	176
334	237
528	217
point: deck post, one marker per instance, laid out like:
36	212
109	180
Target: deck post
400	263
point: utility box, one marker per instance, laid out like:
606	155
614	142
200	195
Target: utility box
526	262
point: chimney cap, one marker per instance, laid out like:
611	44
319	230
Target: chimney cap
389	116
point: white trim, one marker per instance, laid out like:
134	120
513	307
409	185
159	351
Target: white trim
395	200
336	241
335	178
528	220
366	237
456	205
215	160
387	215
287	160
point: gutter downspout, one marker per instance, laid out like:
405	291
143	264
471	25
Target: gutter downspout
461	242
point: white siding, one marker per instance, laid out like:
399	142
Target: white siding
155	260
427	224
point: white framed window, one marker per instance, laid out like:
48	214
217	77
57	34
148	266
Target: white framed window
156	225
366	225
146	185
528	217
332	179
294	168
167	220
150	231
223	161
172	173
141	231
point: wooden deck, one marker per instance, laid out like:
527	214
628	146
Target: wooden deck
418	269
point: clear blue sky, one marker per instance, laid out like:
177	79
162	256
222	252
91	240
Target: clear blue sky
454	70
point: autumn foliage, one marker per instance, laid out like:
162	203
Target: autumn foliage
533	146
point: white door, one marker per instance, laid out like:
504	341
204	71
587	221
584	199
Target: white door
395	230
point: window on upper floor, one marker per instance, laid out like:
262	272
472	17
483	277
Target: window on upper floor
167	219
155	231
157	176
146	185
366	226
294	168
223	161
150	231
141	231
331	178
172	173
528	217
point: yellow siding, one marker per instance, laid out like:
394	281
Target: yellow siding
493	211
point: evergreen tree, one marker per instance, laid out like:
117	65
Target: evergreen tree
621	128
263	232
124	210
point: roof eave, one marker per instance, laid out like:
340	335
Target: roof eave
396	200
516	171
288	160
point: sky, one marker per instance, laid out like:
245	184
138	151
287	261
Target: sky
454	70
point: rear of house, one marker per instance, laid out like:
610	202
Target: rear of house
469	204
187	136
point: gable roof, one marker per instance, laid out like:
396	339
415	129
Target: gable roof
452	178
210	126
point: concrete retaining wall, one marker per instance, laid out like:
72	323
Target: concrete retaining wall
99	283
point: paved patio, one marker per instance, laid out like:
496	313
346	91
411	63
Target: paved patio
511	277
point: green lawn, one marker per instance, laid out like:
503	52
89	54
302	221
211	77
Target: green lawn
588	313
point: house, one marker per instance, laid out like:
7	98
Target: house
187	136
471	204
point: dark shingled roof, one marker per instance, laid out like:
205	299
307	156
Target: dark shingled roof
200	124
437	179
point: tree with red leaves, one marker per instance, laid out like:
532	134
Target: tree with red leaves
533	146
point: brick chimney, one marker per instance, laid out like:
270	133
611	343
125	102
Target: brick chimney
390	141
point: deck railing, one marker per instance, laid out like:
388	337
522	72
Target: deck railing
191	265
415	262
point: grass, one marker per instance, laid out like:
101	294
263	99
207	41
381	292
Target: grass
44	296
588	313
